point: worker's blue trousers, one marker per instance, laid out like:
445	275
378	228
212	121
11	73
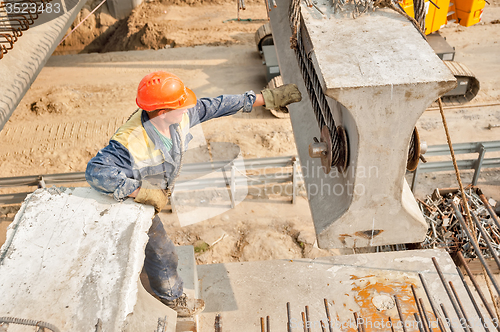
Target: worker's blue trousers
161	263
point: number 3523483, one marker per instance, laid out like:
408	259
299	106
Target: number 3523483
32	8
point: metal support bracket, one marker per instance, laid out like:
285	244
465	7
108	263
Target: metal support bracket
479	164
41	182
294	181
233	185
414	180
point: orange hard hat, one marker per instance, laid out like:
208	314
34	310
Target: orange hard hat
160	90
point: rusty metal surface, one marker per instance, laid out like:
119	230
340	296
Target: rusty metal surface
413	151
218	323
334	288
411	312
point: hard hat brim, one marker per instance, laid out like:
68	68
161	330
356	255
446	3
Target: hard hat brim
190	100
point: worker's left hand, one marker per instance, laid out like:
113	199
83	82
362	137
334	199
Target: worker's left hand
152	196
281	96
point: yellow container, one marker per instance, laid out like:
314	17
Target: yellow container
469	18
436	18
452	12
469	6
408	7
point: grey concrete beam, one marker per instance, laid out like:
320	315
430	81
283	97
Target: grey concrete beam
378	75
21	65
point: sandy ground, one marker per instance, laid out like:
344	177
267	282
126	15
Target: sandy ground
79	100
159	24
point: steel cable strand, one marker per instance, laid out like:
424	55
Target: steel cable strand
319	103
419	11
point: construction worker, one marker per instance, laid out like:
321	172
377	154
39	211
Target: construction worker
144	156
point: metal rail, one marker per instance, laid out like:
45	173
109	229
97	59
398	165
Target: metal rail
237	178
434	108
294	174
462	148
58	178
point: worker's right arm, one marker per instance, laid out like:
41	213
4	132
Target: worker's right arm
224	105
111	172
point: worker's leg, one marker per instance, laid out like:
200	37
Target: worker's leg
161	263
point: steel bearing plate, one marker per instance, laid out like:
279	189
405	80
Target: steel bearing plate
327	155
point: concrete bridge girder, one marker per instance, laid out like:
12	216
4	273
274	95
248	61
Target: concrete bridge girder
378	75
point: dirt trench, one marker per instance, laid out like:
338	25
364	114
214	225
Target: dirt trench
164	24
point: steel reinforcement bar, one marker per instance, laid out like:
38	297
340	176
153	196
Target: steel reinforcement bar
481	148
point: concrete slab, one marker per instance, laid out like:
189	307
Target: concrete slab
366	283
377	81
73	257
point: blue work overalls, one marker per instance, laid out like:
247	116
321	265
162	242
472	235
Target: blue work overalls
136	154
